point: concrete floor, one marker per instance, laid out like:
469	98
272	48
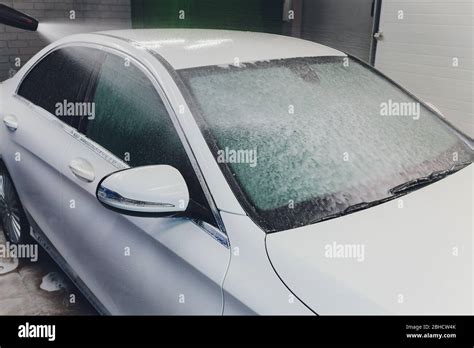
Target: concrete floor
21	294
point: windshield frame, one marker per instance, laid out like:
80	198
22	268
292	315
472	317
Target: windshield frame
262	217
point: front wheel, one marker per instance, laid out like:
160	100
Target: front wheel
12	216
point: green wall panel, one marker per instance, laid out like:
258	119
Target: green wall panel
254	15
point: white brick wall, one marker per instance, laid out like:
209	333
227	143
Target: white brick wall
91	15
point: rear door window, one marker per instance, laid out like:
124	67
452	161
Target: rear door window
62	82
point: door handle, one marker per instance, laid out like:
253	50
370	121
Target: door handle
11	123
82	169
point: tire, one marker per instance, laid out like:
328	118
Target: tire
12	215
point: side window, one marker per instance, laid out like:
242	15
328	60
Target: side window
62	79
132	122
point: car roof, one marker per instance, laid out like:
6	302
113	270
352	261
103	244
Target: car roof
188	48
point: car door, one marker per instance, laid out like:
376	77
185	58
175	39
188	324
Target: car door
137	265
34	146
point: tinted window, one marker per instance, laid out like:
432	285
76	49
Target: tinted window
64	76
132	122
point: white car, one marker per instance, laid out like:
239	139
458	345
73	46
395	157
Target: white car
225	172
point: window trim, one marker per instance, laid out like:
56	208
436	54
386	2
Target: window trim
100	150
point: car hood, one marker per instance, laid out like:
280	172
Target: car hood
411	255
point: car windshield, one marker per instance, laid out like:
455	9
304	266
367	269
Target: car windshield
303	139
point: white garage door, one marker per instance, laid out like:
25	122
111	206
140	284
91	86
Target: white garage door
427	46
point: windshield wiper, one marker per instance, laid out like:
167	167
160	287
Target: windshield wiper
426	180
351	209
397	190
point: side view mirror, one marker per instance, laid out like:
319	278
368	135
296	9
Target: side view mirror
149	191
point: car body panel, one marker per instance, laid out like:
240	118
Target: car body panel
188	48
24	149
417	255
251	285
